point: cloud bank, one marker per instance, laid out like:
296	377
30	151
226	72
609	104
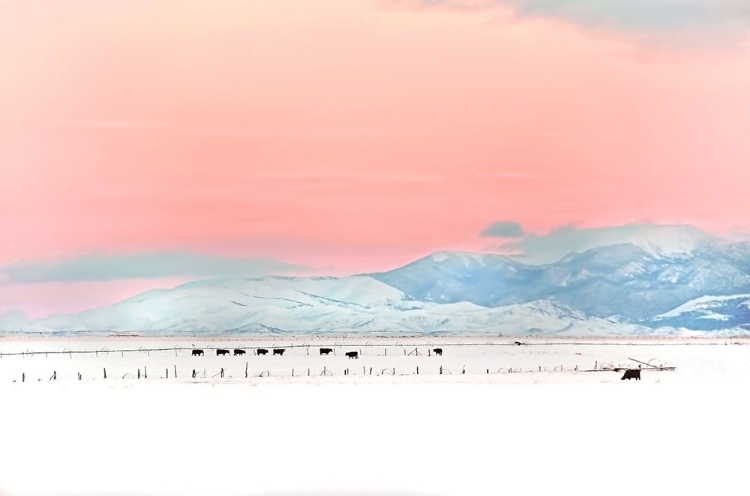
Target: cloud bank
669	20
143	265
503	229
560	242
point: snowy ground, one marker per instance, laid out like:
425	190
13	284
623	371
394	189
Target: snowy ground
476	360
680	432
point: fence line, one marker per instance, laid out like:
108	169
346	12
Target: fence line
405	346
388	371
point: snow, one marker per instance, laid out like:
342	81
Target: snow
701	304
440	256
453	292
463	258
666	240
296	304
330	305
431	435
475	355
714	316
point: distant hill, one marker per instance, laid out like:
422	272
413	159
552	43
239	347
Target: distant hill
620	289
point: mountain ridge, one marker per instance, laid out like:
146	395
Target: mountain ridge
616	289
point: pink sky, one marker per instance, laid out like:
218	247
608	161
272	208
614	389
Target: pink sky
345	135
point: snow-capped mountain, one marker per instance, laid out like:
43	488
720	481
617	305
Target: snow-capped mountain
654	239
276	303
616	289
20	322
359	304
623	281
709	313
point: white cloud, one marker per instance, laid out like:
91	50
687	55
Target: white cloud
672	21
143	265
562	241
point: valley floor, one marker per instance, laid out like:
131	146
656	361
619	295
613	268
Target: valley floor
411	360
575	432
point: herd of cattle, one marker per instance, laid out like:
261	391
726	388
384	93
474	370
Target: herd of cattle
280	351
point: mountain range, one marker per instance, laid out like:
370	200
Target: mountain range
618	289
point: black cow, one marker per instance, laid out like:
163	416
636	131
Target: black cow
632	374
278	351
325	351
197	352
352	354
261	351
222	352
239	352
438	351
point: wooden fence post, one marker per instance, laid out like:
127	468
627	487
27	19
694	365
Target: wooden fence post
23	377
417	370
292	372
441	370
193	373
167	372
139	373
145	374
245	370
79	376
105	372
464	371
175	371
222	373
308	372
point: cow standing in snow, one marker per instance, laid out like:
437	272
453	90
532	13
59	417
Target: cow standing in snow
632	374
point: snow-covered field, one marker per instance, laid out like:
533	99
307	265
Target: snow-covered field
575	432
495	360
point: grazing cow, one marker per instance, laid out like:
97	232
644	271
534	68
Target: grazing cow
197	352
278	351
632	374
352	354
261	351
221	352
239	352
325	351
438	351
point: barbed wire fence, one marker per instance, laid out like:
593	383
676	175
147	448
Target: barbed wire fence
373	350
409	349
